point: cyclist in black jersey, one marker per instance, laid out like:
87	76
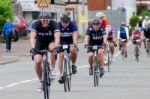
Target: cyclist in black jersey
96	35
45	34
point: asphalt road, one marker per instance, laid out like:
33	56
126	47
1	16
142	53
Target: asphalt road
128	79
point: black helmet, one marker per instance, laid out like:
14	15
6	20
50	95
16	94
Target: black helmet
65	18
45	15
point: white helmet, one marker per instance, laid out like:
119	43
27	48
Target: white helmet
99	15
146	17
140	17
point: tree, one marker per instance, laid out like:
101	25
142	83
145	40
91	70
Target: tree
5	11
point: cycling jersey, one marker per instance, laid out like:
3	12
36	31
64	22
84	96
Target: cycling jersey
66	33
136	34
96	38
147	33
110	34
123	33
104	23
45	34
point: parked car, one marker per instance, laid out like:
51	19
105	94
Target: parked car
30	25
20	25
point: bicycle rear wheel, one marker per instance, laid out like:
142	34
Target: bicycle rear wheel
137	54
123	52
108	63
148	50
96	73
46	81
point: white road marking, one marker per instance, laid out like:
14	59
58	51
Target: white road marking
27	81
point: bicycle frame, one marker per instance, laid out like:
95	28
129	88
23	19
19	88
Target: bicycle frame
45	74
96	64
67	68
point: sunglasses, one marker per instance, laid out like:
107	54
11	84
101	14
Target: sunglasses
45	20
96	24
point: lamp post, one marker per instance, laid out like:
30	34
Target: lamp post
83	14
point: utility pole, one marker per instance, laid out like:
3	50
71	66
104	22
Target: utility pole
83	14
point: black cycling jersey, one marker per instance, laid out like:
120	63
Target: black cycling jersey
45	34
96	38
147	33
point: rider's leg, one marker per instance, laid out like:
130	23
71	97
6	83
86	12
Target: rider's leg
112	49
52	57
60	63
101	61
38	68
73	53
90	61
90	58
101	57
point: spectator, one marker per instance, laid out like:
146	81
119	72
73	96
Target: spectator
7	28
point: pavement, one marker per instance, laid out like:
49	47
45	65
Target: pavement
20	50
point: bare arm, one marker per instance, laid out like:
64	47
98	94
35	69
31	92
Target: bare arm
86	40
57	38
75	37
32	39
105	38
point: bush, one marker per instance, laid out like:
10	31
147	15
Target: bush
144	13
5	11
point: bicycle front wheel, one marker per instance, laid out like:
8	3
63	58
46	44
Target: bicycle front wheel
46	82
67	76
96	72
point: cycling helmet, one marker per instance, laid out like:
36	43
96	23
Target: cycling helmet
123	23
137	28
146	17
99	15
65	18
140	17
45	15
97	21
147	23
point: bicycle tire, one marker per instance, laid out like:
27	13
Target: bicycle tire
67	76
123	52
96	76
46	81
137	54
108	56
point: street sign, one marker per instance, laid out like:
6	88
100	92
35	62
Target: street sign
43	3
83	19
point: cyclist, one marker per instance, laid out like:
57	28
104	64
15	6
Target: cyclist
102	16
69	36
147	33
137	35
45	33
145	25
140	22
96	35
111	40
123	33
